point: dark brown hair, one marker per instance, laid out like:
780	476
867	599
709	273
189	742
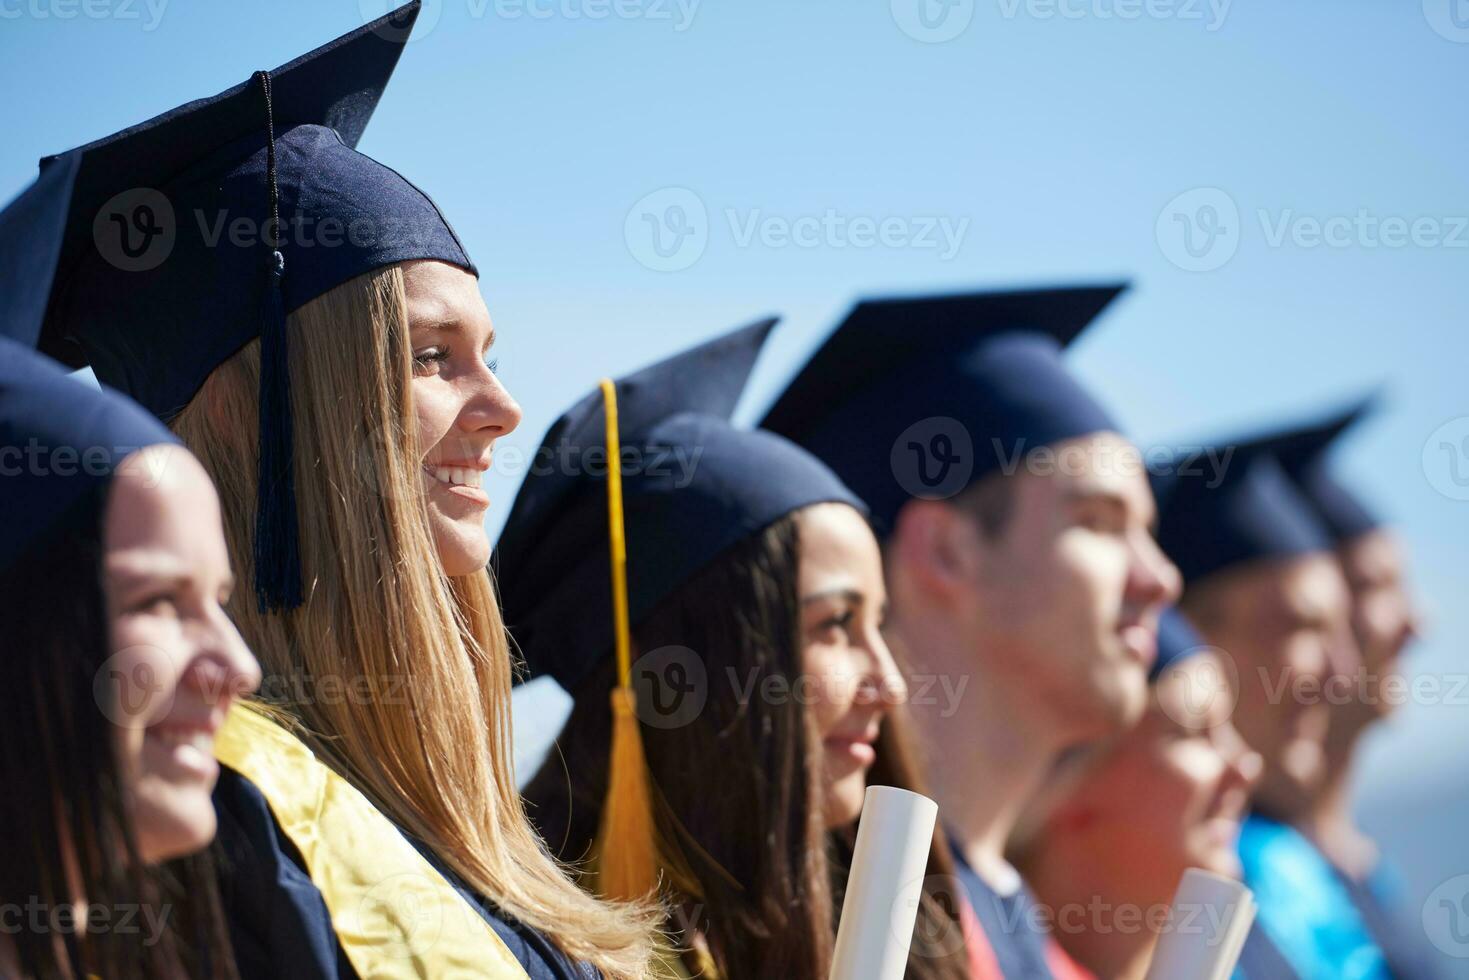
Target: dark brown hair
66	823
740	784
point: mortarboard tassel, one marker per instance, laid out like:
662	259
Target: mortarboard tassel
277	558
627	853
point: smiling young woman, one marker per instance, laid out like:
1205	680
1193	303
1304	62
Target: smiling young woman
1120	822
765	836
767	700
396	669
335	387
120	666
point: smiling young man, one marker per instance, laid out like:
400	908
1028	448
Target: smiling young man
1024	581
1263	585
1362	689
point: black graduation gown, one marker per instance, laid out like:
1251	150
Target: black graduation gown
1010	924
540	957
279	923
1260	960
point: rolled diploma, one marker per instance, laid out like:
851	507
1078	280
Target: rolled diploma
1239	931
1210	918
881	905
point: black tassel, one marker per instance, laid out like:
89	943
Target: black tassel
277	555
277	550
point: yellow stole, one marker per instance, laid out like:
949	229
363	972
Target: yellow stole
669	965
394	914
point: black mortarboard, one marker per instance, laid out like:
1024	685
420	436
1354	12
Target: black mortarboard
1303	452
1249	510
60	439
893	396
692	485
171	261
31	227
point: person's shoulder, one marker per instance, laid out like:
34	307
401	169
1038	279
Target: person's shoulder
1273	851
278	920
1260	959
536	954
540	959
1269	844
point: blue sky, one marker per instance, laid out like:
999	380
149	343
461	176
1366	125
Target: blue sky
1283	182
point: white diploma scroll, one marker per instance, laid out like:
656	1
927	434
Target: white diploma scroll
1206	929
881	904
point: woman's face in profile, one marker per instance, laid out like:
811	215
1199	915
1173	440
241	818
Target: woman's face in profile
460	406
1171	792
177	661
850	677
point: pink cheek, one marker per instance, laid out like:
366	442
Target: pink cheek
1190	790
149	651
434	415
1088	568
823	699
823	710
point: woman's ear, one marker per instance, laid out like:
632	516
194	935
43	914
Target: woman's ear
936	545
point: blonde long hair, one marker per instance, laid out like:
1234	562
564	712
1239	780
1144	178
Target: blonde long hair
397	675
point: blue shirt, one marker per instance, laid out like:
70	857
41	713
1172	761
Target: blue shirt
1305	908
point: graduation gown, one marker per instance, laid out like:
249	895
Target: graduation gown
537	954
1378	899
317	884
1021	947
1305	909
1260	960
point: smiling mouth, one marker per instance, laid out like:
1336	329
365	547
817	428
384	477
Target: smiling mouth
1140	644
186	751
197	739
856	746
455	476
1223	830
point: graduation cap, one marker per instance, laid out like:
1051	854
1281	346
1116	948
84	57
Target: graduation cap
31	227
643	482
921	397
1303	450
60	439
193	233
692	486
1250	510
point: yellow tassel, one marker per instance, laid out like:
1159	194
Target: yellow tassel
627	859
627	855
